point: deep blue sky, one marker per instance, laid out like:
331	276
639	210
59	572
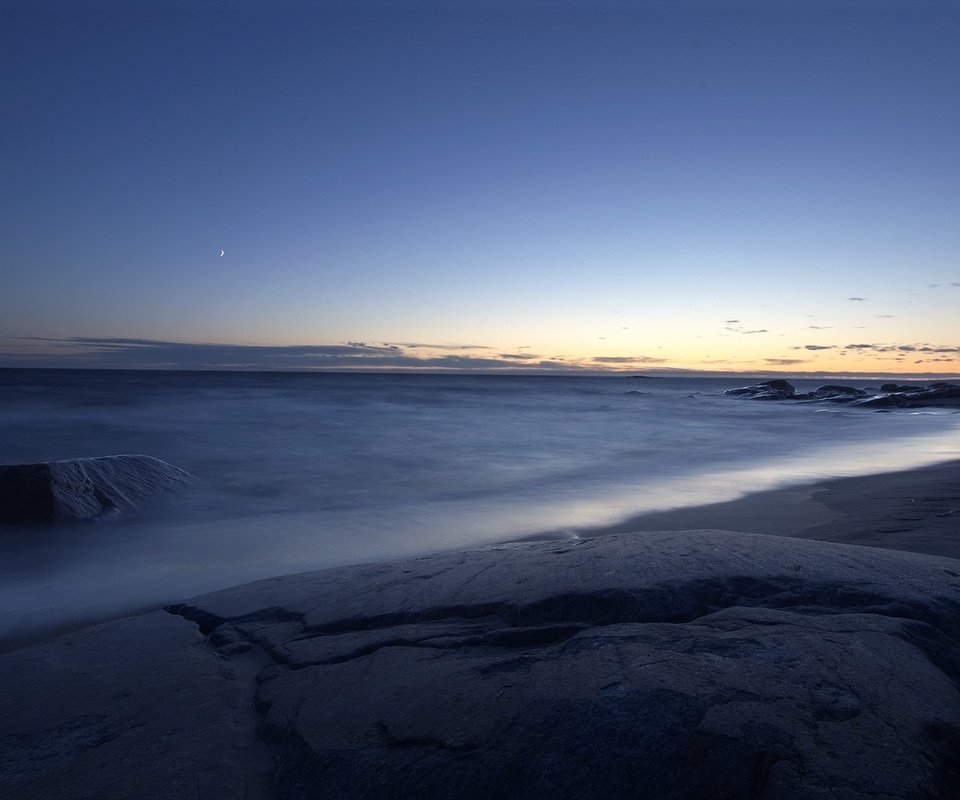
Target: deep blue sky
572	181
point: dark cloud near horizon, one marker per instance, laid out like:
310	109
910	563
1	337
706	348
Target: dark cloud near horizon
905	348
786	362
627	360
157	354
129	353
857	299
415	345
891	352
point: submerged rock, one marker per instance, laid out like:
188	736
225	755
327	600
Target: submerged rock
693	665
83	488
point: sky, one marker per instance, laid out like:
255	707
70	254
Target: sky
641	186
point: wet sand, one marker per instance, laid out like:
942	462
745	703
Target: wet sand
915	510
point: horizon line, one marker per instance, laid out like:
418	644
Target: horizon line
662	372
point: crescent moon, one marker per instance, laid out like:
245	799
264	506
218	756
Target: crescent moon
221	254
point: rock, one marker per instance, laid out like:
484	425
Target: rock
936	394
100	714
881	401
685	665
83	488
891	396
889	388
841	392
767	390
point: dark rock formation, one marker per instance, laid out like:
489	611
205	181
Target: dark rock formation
766	390
830	392
936	394
684	665
82	488
890	388
891	395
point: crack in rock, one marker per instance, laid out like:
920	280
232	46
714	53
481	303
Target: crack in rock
422	741
667	668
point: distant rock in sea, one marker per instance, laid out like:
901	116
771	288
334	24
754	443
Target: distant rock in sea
767	390
891	395
83	488
830	392
936	394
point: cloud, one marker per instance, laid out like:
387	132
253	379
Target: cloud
820	327
885	316
415	345
905	348
156	354
819	347
129	353
627	360
857	299
785	362
733	328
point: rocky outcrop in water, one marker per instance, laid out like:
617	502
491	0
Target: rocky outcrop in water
935	394
890	395
83	488
767	390
695	665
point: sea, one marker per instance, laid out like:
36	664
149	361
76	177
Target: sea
301	471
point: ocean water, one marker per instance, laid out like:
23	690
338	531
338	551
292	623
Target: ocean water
301	471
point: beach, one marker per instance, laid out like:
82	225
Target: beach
293	472
480	400
794	643
916	511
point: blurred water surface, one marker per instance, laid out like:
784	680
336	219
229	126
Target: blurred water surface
298	471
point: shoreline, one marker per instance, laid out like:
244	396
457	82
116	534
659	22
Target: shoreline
914	510
690	655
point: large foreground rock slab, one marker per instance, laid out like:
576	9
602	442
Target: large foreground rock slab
132	709
82	488
695	664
